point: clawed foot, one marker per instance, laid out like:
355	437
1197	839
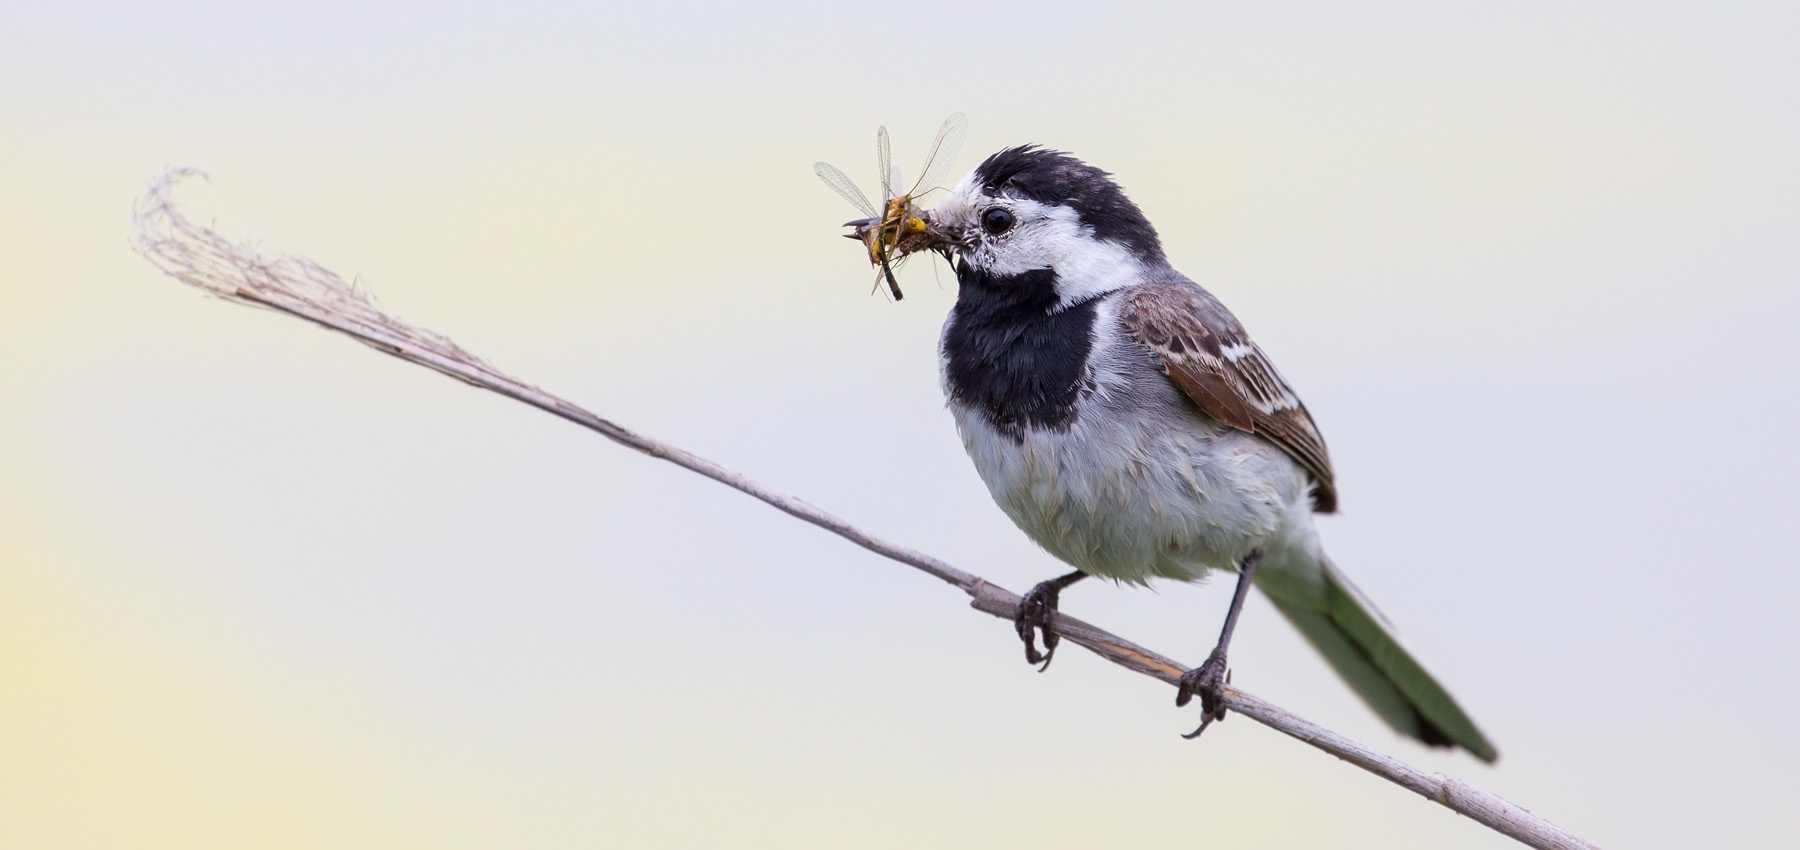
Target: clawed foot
1208	682
1036	611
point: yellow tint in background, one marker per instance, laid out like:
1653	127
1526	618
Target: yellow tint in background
1533	270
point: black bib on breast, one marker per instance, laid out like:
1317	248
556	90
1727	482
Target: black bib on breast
1010	354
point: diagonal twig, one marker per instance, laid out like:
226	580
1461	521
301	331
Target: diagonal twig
297	286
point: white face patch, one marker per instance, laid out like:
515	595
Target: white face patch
1042	237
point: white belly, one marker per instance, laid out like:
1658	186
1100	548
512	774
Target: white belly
1132	499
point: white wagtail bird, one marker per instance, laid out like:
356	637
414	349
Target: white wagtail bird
1122	417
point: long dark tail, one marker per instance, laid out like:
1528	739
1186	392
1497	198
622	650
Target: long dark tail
1347	631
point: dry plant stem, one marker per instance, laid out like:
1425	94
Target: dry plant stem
298	287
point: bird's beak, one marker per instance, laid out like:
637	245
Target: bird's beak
927	234
893	238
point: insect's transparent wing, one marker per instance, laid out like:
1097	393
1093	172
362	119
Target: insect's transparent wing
885	159
842	185
943	153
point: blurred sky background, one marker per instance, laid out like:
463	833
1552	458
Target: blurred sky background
1534	267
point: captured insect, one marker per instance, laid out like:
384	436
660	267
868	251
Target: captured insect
898	216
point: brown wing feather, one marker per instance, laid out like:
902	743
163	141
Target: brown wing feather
1207	354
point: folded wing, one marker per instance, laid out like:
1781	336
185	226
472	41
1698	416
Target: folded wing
1206	353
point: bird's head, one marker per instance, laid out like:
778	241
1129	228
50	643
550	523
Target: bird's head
1030	216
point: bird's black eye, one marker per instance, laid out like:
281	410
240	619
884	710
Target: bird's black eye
997	221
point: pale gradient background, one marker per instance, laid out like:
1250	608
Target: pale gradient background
1535	270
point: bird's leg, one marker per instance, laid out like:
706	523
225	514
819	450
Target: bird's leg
1208	680
1034	614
